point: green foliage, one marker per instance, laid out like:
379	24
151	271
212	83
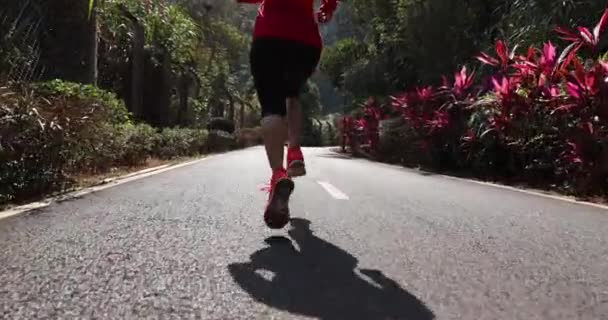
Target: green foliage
167	27
311	109
310	100
180	142
539	120
337	59
398	143
206	49
219	141
180	29
44	139
222	124
249	137
531	22
47	139
405	45
134	144
172	29
52	131
326	132
89	94
222	58
91	5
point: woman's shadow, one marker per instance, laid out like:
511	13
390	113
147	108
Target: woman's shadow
320	280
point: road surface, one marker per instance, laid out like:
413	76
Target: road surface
369	241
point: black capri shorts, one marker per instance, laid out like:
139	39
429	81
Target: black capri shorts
280	68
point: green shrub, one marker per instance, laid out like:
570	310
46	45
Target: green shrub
222	124
220	141
47	139
311	133
136	143
40	139
180	142
250	137
329	134
87	93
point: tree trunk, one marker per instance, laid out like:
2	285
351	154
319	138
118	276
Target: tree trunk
182	112
165	95
219	110
242	116
93	56
230	107
137	72
137	64
210	62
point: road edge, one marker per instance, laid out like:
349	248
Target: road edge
531	192
105	184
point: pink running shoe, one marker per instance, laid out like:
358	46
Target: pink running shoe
295	162
277	215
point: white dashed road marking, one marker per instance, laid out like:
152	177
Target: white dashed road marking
333	191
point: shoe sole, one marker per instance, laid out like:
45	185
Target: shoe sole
296	169
277	213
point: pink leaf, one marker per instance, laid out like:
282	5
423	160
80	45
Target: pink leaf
553	92
525	66
531	53
512	53
565	108
487	59
549	51
501	51
463	72
567	34
496	84
589	127
462	81
542	80
568	55
574	90
601	26
579	71
587	36
547	60
399	102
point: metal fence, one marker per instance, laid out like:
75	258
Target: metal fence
20	27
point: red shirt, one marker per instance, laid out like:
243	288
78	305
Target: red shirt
291	19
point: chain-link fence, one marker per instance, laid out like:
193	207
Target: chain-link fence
20	27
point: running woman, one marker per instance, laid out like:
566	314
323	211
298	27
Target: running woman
284	54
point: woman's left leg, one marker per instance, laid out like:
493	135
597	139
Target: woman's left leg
301	64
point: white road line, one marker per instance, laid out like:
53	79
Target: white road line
333	191
109	184
497	185
539	194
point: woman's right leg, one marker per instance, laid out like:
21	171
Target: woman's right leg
267	71
268	74
295	121
274	132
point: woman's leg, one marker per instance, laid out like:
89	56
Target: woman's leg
294	121
274	131
301	64
268	69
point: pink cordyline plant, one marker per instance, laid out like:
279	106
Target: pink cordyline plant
584	36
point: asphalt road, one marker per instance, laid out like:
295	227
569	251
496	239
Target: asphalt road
369	241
